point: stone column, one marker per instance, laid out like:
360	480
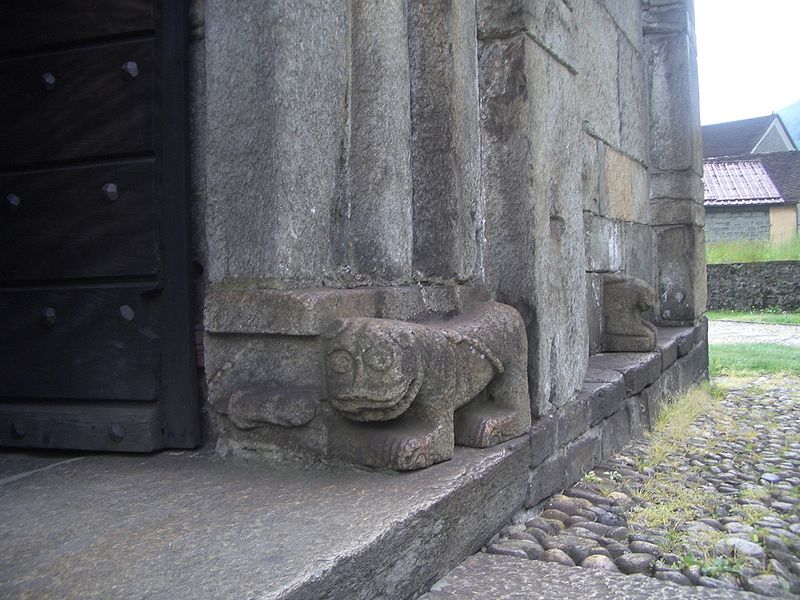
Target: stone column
445	143
377	237
676	163
276	115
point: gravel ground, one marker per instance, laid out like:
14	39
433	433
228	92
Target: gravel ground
721	509
734	332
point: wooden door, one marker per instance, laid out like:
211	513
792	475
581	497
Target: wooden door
96	347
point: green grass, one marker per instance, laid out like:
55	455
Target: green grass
753	359
756	316
748	251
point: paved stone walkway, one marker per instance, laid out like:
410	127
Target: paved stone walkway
734	332
719	509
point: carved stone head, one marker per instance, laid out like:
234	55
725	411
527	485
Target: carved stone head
372	367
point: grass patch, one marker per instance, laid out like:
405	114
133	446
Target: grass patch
744	251
753	359
756	316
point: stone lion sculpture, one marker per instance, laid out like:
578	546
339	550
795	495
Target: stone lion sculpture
407	392
625	298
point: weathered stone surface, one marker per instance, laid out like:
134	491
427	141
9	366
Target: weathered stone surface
562	469
486	576
681	273
550	23
603	242
639	253
445	145
598	561
675	185
535	222
748	286
635	562
667	346
374	225
543	435
639	369
289	406
413	377
604	399
246	307
682	211
596	54
634	108
117	517
627	16
594	311
626	187
270	191
624	329
674	106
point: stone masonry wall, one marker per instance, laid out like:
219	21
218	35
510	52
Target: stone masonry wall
747	286
523	146
726	224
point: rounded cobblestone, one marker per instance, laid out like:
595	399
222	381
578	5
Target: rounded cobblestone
742	460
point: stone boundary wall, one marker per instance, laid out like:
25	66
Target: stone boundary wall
621	397
746	286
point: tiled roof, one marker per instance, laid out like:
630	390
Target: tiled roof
738	183
734	137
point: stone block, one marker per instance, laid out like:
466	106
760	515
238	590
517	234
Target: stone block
621	427
603	375
684	185
668	349
671	211
603	243
550	23
594	311
270	192
597	66
626	187
445	143
592	177
639	254
604	399
675	143
572	419
565	468
639	369
627	15
681	276
633	103
683	337
543	437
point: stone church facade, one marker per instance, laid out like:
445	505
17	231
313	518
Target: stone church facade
403	161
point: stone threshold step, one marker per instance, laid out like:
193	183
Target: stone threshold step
188	525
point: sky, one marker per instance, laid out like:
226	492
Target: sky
748	55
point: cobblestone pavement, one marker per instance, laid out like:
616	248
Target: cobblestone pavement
734	332
715	505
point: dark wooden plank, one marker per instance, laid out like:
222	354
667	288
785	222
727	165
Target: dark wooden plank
66	225
124	428
93	109
79	344
33	23
179	382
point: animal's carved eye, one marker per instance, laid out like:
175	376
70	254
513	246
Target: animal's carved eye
378	357
340	361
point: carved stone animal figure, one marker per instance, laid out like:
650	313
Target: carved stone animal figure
406	392
624	299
